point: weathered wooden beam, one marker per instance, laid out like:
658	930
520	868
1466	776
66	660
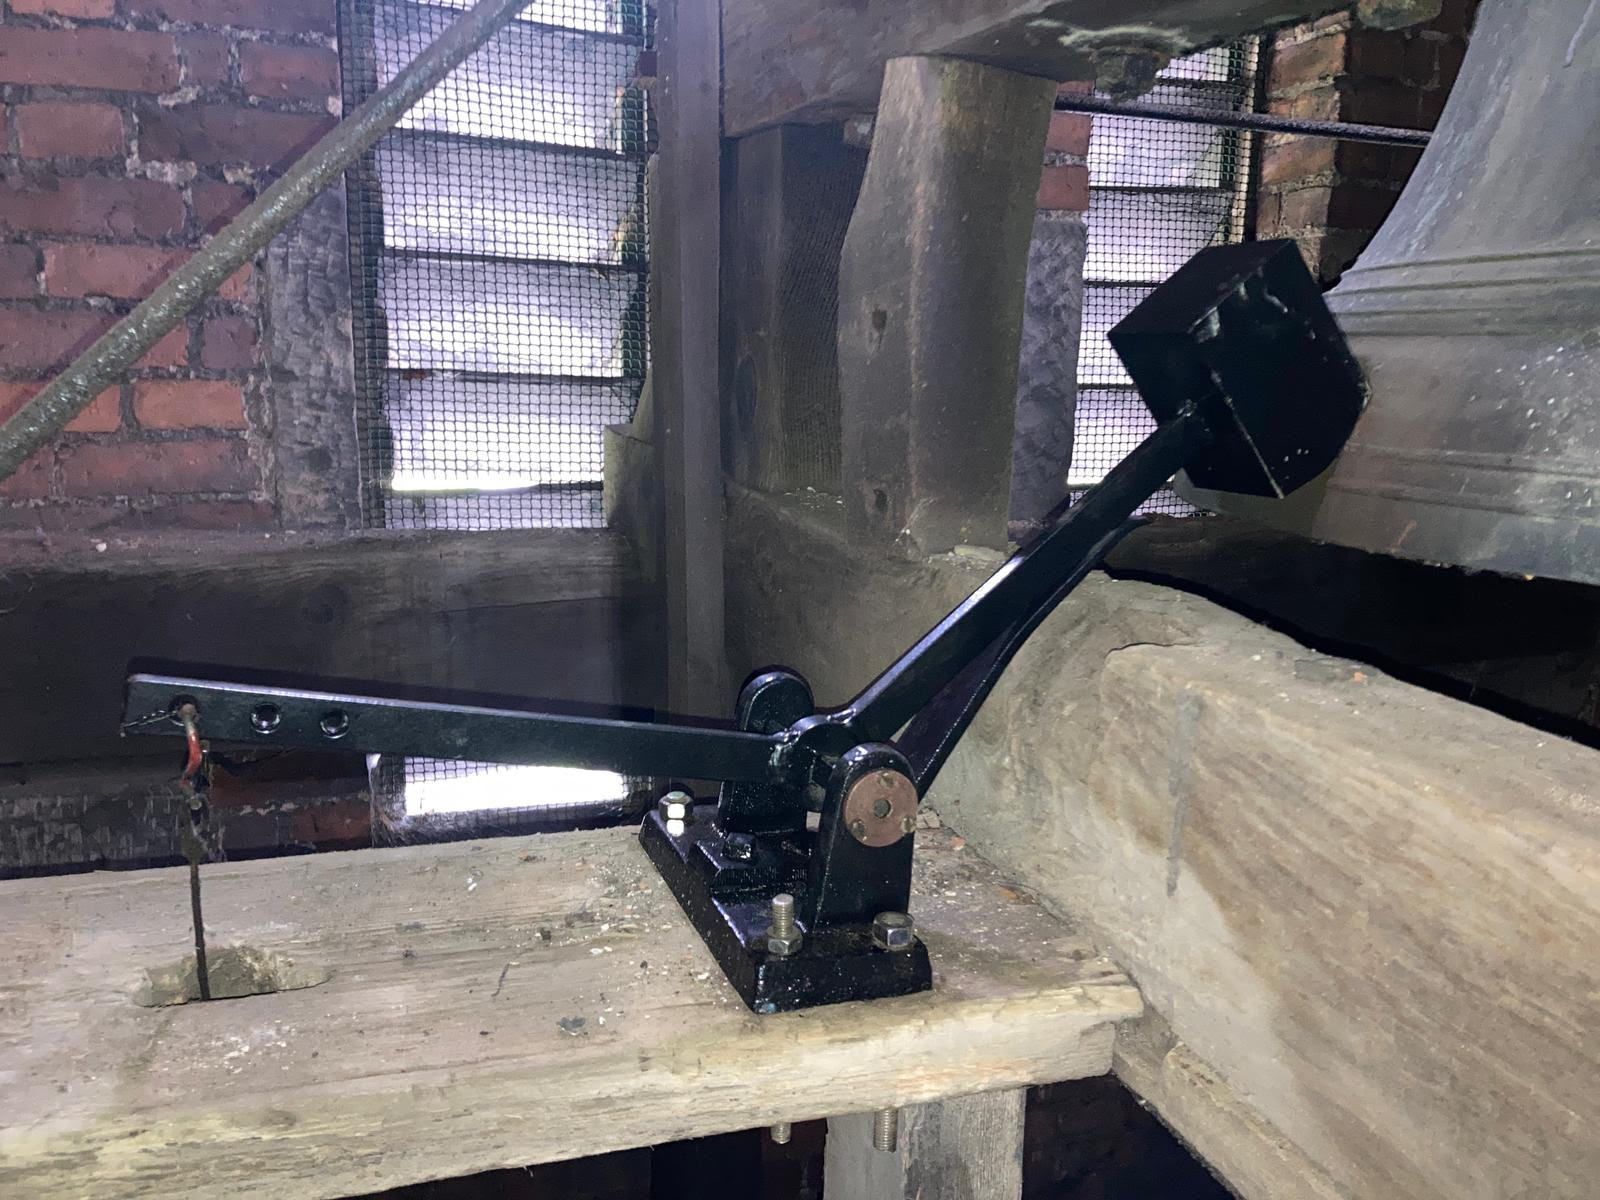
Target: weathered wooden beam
789	196
930	303
684	354
529	612
1365	911
486	1004
964	1148
811	60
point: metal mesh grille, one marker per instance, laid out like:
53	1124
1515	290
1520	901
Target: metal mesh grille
499	256
1158	192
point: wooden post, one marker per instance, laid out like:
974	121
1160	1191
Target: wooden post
930	303
684	340
966	1148
790	194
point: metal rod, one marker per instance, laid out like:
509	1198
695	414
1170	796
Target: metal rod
1261	122
376	724
43	417
202	974
1025	583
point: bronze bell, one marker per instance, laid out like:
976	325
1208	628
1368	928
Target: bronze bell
1476	315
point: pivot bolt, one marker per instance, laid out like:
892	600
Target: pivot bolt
674	806
783	935
894	931
781	1132
886	1129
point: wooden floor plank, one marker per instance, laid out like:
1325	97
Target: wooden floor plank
490	1004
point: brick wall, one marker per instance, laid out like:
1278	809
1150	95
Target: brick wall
132	128
1331	196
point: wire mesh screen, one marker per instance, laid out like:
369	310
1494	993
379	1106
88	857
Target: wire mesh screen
1158	192
499	258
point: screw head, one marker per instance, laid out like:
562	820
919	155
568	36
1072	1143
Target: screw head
740	846
893	931
674	806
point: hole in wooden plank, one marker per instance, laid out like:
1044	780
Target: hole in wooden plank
233	971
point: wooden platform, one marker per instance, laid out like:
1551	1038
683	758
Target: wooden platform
490	1004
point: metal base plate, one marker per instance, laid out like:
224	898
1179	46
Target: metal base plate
729	902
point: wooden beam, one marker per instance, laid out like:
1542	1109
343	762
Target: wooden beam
790	193
1367	912
814	60
964	1148
425	609
930	303
684	365
487	1004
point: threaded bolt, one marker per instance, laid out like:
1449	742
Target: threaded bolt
780	1133
782	914
885	1129
783	935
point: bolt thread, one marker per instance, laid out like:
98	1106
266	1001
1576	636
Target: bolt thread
781	1132
783	915
885	1129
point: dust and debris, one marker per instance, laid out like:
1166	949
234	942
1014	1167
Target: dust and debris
572	1026
233	971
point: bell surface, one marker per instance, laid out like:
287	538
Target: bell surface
1475	314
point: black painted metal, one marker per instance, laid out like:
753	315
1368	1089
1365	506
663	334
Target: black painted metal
730	906
848	881
1213	351
770	702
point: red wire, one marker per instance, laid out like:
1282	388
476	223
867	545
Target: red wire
191	732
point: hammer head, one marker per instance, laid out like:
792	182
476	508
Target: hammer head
1241	332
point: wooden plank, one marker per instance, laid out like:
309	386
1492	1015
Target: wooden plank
964	1148
1366	911
815	60
685	232
491	1004
427	609
930	303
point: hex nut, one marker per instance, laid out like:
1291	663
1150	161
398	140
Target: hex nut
783	945
894	931
674	806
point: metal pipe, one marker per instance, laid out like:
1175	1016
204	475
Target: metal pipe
1260	122
43	417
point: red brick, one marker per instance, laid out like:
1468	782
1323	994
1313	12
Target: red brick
123	272
1378	54
32	479
69	130
1069	133
189	404
1308	61
119	59
93	207
1297	158
197	514
1382	102
1064	188
219	134
1319	104
237	286
103	415
171	351
288	72
1305	208
138	469
33	339
36	340
19	269
1355	207
215	204
83	9
275	16
228	343
205	59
